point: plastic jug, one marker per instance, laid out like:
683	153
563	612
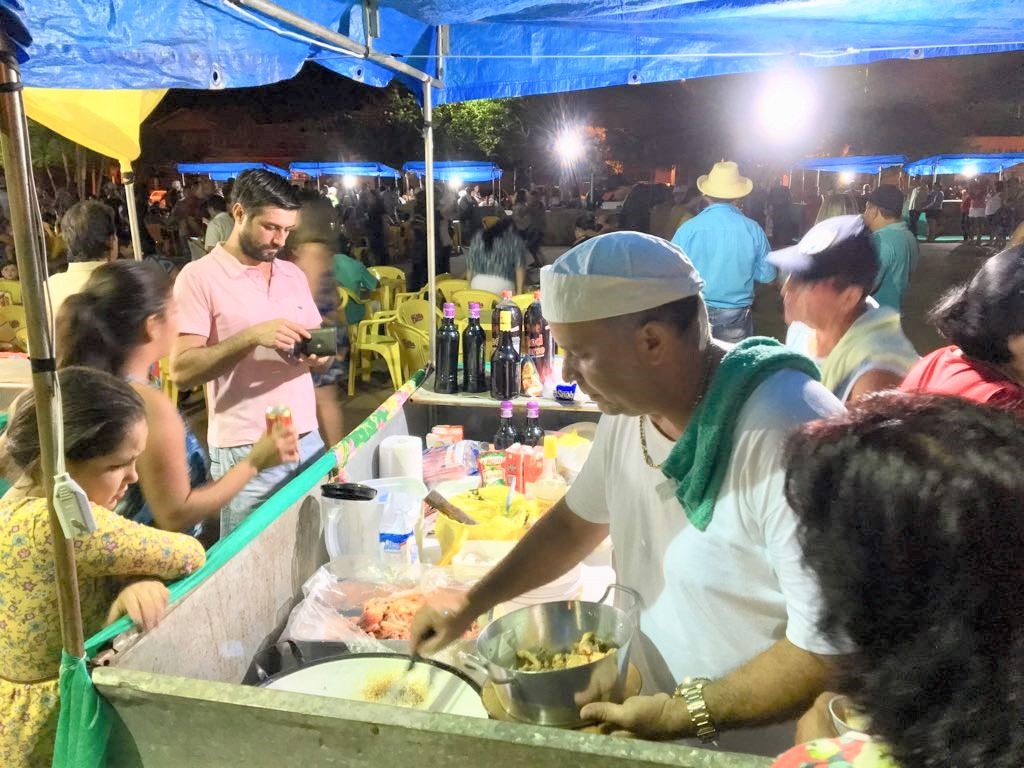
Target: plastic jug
351	516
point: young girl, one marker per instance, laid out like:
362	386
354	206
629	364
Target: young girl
104	433
122	322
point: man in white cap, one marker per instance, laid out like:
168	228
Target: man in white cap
686	476
729	250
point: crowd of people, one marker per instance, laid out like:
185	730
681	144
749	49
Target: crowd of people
833	515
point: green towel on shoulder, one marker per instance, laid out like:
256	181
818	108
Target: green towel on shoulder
699	459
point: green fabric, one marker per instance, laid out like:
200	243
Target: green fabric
85	718
699	459
353	274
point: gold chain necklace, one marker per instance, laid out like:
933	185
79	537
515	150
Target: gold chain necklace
708	358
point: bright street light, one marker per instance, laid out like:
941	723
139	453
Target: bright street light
846	177
785	104
348	182
569	145
455	182
970	171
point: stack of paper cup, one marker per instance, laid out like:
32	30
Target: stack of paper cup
401	456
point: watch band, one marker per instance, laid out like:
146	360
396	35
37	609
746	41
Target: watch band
691	691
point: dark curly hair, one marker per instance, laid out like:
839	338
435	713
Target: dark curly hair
911	514
982	315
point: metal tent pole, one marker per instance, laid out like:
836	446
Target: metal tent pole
31	260
133	212
428	155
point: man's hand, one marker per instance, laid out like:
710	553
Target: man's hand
433	630
280	334
816	722
317	364
658	717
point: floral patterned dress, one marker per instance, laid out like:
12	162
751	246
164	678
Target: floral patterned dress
30	641
851	750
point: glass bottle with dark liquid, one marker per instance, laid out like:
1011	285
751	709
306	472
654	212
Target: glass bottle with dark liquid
505	380
447	376
507	433
474	349
533	433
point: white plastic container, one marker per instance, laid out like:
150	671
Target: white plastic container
349	526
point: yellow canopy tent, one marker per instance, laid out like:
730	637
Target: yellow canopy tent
105	121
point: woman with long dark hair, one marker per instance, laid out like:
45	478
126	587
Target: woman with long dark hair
123	322
910	512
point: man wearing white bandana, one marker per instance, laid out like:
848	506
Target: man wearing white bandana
686	476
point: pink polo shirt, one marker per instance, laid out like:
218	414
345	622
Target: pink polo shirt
217	297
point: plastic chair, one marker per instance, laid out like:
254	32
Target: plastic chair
523	300
489	221
372	336
166	382
485	299
447	288
404	296
13	287
416	313
414	346
387	273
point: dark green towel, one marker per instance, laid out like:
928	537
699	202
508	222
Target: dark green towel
700	457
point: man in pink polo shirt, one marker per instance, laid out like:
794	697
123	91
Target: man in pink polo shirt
241	312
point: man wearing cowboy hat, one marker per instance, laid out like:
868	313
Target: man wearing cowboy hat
729	250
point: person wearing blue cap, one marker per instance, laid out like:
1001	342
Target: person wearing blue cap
858	344
685	475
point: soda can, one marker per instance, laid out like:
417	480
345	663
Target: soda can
278	414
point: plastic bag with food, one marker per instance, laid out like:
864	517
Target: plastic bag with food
363	603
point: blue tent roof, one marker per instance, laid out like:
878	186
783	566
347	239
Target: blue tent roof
225	171
540	46
858	164
464	170
345	169
971	164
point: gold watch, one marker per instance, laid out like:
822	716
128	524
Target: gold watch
691	691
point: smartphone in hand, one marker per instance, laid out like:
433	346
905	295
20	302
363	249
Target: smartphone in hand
322	342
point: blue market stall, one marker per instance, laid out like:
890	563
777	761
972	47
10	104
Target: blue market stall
969	165
316	170
225	171
172	697
873	164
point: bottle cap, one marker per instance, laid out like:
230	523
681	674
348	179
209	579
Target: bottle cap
505	320
532	409
449	310
506	408
550	447
474	310
506	294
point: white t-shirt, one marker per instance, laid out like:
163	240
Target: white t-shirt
713	600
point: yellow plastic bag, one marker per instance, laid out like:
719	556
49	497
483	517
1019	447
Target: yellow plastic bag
497	519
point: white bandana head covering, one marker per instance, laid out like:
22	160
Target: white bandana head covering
616	274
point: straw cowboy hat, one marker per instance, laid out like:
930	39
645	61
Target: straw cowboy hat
725	182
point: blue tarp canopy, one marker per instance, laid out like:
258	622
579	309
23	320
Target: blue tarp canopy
345	169
469	171
858	164
225	171
540	46
969	165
